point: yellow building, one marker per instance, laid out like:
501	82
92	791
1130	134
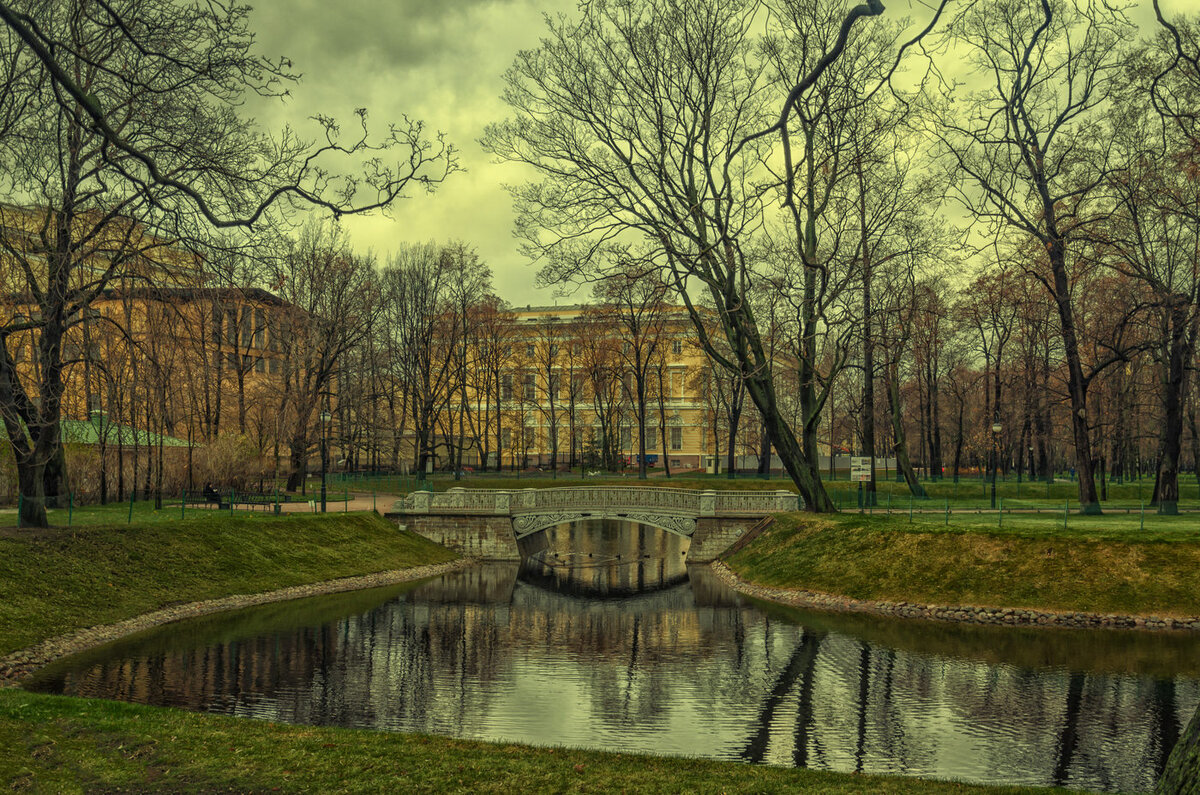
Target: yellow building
570	371
146	341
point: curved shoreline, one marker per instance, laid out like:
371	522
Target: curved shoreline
961	614
18	665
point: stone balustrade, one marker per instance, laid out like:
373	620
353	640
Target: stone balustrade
601	500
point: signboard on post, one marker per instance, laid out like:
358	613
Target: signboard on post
860	469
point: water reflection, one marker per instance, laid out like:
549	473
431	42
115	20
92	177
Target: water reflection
610	640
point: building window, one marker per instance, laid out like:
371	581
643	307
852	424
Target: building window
529	432
529	385
555	383
260	328
626	438
652	438
676	347
529	351
245	330
506	387
275	367
260	366
553	351
677	438
506	437
231	325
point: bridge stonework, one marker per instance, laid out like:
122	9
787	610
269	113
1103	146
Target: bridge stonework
506	525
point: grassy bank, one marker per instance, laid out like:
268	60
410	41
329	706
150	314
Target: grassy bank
53	582
59	580
1102	565
55	744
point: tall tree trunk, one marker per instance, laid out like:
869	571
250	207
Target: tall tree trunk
1077	385
31	487
958	438
54	476
868	411
298	455
1179	354
764	451
903	464
935	441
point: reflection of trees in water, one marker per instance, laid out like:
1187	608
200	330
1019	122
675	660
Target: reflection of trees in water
455	656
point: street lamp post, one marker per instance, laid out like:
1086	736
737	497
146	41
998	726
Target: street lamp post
324	454
996	428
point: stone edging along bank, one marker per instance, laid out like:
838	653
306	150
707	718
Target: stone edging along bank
961	613
18	665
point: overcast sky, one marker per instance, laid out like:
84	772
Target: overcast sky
440	61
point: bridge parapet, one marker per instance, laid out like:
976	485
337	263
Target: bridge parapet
614	499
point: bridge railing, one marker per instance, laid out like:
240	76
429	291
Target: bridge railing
754	503
683	501
619	499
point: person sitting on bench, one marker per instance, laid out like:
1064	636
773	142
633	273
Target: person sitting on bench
211	494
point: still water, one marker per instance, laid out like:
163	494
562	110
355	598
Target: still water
609	640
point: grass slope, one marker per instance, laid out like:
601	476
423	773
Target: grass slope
56	582
1100	566
56	744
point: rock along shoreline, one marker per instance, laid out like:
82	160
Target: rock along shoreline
963	614
17	666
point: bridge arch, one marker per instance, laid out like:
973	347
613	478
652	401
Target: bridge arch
527	524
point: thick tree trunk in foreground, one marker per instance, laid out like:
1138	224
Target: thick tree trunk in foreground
801	468
32	494
54	478
1182	774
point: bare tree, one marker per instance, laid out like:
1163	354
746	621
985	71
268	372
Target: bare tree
1033	151
331	302
125	127
636	298
416	285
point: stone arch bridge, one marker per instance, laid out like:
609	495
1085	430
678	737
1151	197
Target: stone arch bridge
504	525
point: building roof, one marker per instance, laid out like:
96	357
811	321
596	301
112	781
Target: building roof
88	432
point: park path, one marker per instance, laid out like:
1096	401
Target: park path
380	503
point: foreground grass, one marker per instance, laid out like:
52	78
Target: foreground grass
1100	565
52	583
62	580
57	744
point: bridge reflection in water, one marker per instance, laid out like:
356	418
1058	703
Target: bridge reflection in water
630	649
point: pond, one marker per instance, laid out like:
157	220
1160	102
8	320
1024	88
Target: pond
608	640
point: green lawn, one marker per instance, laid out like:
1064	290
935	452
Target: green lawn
57	581
1099	564
64	745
